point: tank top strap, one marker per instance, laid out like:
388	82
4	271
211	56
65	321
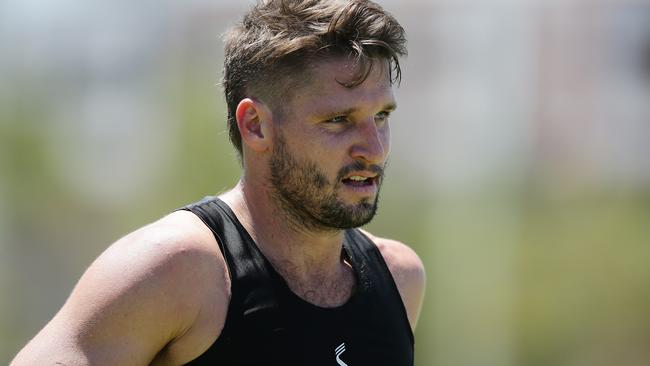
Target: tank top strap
247	266
374	275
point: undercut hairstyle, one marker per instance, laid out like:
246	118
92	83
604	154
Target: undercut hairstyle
268	54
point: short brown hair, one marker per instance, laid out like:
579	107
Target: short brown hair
279	38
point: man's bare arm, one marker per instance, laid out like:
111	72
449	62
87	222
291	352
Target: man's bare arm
157	296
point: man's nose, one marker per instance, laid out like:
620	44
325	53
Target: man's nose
372	142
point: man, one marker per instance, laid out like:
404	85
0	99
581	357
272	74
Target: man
271	272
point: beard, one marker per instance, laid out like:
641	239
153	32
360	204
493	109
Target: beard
310	200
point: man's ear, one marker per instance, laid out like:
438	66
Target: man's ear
254	122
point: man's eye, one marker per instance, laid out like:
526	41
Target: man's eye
338	119
382	116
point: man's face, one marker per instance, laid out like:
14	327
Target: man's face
330	147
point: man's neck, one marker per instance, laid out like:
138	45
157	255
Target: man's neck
302	254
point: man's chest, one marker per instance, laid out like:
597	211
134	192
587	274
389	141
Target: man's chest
323	291
300	335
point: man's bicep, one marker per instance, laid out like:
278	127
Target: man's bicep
91	335
62	342
126	307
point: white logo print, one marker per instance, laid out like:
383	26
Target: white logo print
339	351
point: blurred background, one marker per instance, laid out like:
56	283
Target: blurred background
520	167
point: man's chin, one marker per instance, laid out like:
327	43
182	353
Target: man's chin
357	215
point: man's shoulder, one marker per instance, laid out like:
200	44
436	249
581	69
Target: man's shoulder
178	232
176	242
407	270
178	252
398	255
174	262
184	262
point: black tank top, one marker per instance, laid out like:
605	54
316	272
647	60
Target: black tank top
267	324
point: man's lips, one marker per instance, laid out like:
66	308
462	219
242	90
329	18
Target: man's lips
360	175
360	172
361	179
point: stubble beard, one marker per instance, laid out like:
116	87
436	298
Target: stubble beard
309	200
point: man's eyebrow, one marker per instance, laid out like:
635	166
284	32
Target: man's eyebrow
386	108
390	107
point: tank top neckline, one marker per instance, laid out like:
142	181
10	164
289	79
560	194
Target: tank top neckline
347	253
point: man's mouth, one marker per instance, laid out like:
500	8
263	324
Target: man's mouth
360	181
363	178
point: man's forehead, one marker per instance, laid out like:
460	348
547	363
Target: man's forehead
321	84
325	93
